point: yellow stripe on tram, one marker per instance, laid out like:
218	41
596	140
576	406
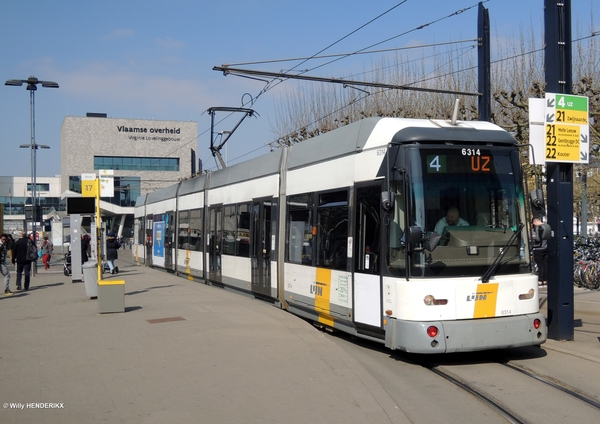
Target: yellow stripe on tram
485	300
188	270
322	292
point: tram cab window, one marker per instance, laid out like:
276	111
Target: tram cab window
332	230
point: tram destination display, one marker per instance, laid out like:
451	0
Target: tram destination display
460	161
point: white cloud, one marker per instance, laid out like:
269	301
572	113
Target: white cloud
169	43
120	33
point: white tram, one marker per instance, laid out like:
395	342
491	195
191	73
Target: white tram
339	230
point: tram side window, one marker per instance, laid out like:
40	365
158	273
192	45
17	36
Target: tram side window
140	234
299	240
196	216
229	229
332	230
183	234
243	231
236	232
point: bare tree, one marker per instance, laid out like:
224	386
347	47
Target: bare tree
517	75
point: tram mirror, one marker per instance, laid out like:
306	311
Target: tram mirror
432	242
538	205
387	200
546	231
415	235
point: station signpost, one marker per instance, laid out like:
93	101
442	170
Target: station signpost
567	128
90	187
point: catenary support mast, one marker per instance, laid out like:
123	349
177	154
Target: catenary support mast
557	21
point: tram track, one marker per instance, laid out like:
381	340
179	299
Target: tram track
557	385
510	414
587	332
522	385
487	400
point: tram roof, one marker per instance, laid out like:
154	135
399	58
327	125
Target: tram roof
351	138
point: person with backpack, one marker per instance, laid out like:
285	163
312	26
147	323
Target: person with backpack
3	268
24	252
112	247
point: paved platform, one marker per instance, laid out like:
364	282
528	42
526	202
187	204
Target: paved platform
181	352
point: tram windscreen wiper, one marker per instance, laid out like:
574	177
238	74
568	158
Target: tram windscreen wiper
486	276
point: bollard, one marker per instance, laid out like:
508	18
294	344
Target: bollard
111	296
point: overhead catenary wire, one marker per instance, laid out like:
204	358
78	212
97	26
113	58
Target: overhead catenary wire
267	86
275	142
274	83
458	12
292	59
352	32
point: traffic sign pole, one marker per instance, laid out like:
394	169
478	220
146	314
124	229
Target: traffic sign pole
90	187
557	57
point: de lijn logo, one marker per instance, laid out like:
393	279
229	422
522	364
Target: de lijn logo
144	130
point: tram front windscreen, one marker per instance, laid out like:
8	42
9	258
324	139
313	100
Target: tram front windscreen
472	198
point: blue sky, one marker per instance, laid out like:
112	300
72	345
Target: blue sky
153	59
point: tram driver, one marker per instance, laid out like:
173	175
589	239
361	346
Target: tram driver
451	219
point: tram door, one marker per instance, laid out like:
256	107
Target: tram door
148	241
169	239
367	280
215	238
260	251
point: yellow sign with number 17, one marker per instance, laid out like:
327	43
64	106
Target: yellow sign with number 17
89	185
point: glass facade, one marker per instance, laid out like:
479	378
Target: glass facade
38	187
136	163
127	189
14	205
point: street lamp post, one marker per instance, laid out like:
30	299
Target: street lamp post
32	83
34	196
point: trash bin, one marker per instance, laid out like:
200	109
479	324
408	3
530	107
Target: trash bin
90	278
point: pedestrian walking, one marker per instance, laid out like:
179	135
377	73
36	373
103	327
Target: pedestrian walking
112	248
3	266
9	244
85	247
20	256
540	251
47	249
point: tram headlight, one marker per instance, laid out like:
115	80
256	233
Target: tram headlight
430	300
528	295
